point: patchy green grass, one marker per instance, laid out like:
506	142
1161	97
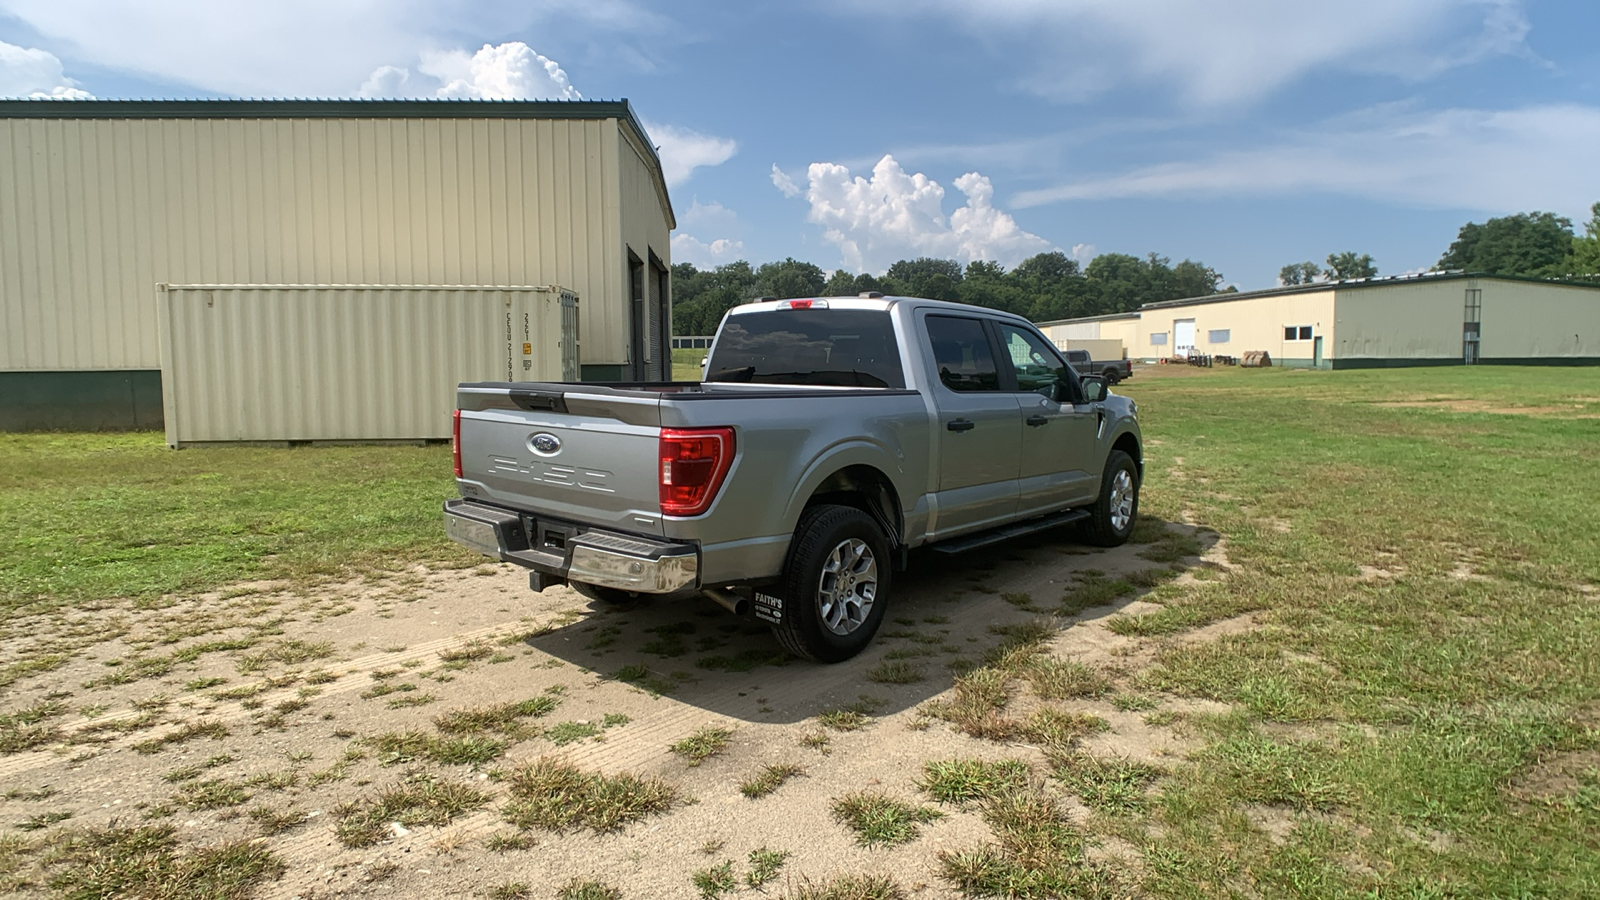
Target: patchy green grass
506	718
557	796
714	881
182	522
703	744
419	801
849	887
764	865
587	889
770	779
966	780
896	672
1106	784
1036	852
880	819
405	747
1063	679
1424	634
149	861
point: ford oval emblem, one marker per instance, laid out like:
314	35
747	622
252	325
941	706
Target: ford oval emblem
545	443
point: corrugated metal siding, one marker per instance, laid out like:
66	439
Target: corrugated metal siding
95	212
344	362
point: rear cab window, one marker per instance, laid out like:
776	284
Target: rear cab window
962	354
817	347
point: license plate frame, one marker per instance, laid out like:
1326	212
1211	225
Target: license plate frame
473	534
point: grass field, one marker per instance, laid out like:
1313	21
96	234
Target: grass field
1414	696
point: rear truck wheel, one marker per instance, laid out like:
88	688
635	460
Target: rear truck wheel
835	586
608	596
1112	376
1112	517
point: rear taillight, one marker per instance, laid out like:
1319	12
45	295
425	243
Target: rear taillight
693	465
455	440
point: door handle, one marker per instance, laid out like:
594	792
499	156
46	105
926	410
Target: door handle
1036	421
961	425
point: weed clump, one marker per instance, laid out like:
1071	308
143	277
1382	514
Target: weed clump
557	796
770	779
880	819
422	801
702	745
146	862
968	780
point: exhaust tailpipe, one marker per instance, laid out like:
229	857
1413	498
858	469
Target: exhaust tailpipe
728	600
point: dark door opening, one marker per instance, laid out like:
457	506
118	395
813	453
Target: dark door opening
637	320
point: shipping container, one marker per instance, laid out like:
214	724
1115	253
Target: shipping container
280	362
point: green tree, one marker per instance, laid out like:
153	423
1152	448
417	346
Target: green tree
1537	245
1299	273
841	283
790	278
1586	250
1347	265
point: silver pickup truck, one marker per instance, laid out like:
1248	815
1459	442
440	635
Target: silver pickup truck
828	439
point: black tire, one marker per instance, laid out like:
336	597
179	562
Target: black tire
1103	529
1112	377
608	596
829	534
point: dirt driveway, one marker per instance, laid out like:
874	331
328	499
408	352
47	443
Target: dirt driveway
400	738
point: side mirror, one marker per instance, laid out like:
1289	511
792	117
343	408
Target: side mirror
1094	388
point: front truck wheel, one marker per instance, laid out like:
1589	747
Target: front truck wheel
1113	514
836	584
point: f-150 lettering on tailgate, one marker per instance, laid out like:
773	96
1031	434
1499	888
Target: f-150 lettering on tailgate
550	473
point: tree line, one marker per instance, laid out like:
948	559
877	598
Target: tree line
1528	245
1043	287
1054	286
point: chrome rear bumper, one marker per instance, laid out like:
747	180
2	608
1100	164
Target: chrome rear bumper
607	559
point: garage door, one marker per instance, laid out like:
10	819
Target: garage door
1183	337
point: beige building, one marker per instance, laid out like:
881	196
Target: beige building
1431	319
102	201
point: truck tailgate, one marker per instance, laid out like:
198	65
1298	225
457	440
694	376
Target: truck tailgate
589	458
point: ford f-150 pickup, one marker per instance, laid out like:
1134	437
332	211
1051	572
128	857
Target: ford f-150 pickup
829	438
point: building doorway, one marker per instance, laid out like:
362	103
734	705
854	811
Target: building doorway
1183	338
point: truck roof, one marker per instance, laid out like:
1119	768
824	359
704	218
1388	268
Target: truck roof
879	302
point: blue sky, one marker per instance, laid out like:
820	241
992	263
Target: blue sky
1243	133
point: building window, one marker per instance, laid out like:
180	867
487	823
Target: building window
1158	338
1218	335
1297	332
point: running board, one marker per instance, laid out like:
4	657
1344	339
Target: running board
1007	532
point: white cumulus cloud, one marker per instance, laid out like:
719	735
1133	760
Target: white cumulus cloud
708	218
1538	157
1215	52
895	215
509	71
318	48
35	74
782	181
690	249
682	151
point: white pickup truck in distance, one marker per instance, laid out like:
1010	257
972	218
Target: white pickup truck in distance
829	438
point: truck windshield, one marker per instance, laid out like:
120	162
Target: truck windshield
825	347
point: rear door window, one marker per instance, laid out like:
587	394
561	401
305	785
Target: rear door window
962	354
822	347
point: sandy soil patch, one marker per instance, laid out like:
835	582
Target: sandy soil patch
222	713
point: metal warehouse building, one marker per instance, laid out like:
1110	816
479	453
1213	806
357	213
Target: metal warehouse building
374	215
1413	320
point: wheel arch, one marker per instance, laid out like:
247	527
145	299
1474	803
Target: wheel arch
1128	443
868	489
